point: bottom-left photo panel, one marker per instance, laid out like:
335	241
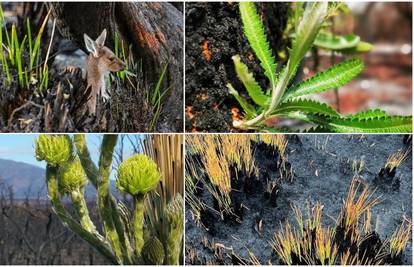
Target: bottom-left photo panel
91	199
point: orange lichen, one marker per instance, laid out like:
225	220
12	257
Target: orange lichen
206	50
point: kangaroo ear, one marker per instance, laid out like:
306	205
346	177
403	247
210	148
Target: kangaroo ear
90	45
101	39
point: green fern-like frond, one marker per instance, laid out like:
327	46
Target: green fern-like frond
252	87
306	33
336	76
254	31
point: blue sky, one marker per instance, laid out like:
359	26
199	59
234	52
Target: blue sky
20	147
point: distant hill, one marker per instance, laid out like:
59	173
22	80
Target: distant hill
29	179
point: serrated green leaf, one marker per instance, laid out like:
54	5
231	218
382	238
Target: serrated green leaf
305	106
252	87
254	31
334	77
384	124
373	113
317	129
247	108
306	33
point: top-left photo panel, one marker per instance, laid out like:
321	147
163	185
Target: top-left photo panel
109	67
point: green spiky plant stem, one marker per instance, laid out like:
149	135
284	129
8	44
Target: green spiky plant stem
53	193
104	198
110	214
93	173
175	216
85	158
138	222
79	203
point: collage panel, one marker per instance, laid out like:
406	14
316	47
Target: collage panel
91	199
288	66
320	199
291	144
111	67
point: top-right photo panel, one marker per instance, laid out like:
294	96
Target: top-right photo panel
298	67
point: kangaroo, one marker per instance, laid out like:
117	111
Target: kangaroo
99	63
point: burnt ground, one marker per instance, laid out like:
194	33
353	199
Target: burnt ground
62	107
323	171
213	35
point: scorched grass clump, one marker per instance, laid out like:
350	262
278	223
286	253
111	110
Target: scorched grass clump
351	241
225	165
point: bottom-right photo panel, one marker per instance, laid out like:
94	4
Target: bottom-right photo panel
313	199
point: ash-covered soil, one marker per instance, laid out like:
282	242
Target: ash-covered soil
323	170
214	34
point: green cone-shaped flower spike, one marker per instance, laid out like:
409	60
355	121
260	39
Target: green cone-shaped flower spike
55	149
138	175
71	177
174	213
153	251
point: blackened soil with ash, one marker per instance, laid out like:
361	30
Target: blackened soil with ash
323	172
216	29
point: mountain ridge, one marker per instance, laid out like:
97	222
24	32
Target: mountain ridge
28	180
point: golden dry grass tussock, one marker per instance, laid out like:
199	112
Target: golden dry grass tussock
395	160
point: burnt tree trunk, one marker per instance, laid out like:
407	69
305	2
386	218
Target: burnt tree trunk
155	31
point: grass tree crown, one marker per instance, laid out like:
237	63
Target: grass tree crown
71	177
138	175
54	149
